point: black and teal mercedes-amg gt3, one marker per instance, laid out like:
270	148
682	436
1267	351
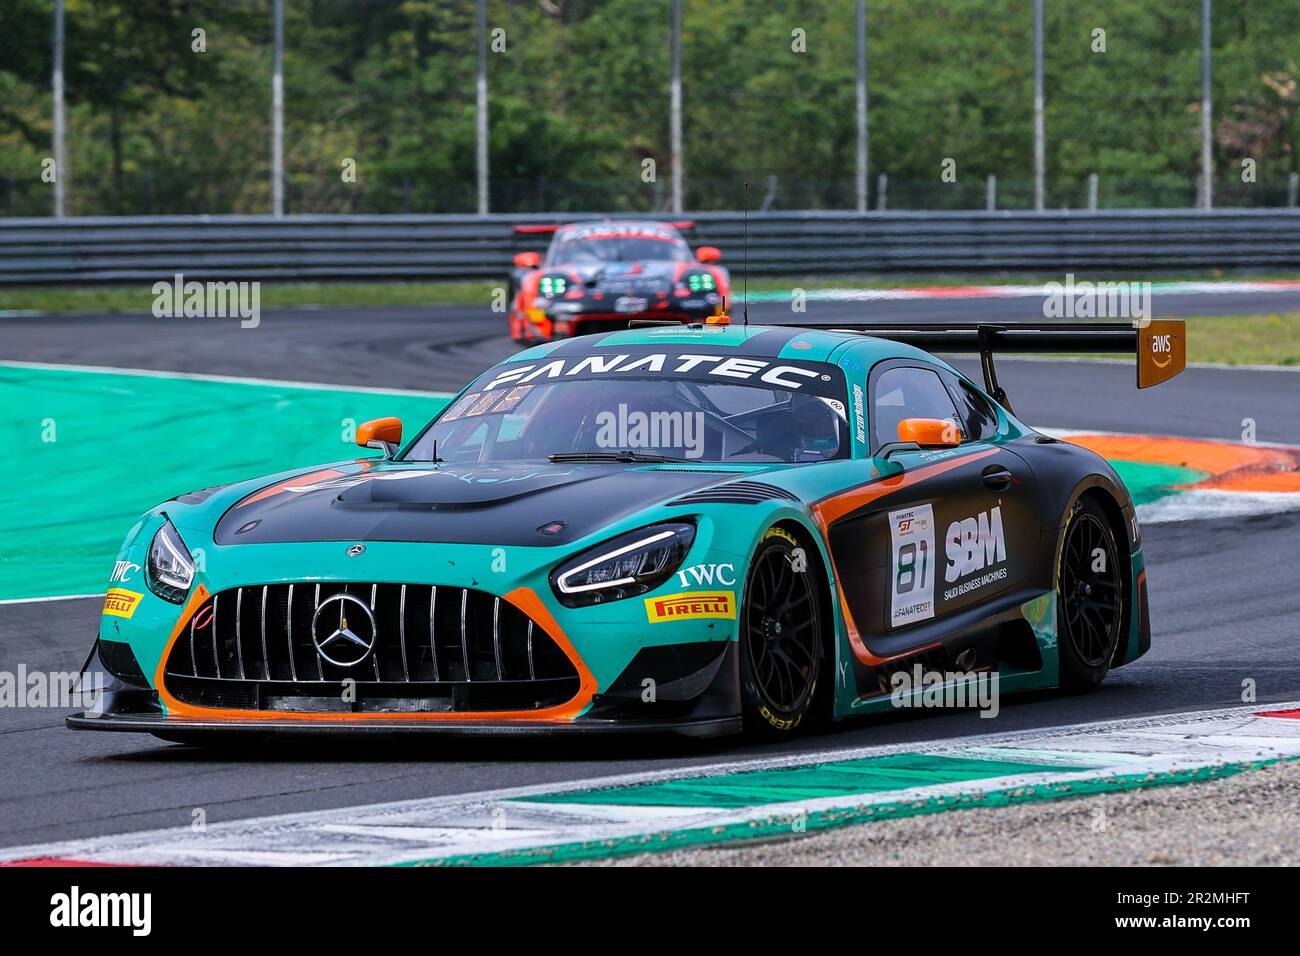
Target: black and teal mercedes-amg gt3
691	528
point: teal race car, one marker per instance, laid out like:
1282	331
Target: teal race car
696	528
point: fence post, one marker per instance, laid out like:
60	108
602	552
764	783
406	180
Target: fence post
1040	136
60	126
991	193
863	142
277	110
675	106
481	108
882	191
1092	192
1292	182
1207	170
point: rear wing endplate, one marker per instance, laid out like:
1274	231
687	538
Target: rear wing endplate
1160	347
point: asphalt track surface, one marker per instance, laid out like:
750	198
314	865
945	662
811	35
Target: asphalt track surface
1224	603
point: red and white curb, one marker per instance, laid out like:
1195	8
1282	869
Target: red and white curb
505	820
1015	291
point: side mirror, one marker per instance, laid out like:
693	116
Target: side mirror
930	432
917	434
528	260
382	433
708	254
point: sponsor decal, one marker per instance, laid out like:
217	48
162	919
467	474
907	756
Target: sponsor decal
122	572
614	230
119	602
974	584
859	415
973	544
203	618
708	574
1162	352
690	606
721	366
688	330
911	533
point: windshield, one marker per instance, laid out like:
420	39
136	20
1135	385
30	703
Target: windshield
723	409
619	249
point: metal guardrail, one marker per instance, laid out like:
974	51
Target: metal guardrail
148	249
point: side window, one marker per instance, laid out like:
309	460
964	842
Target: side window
976	416
907	392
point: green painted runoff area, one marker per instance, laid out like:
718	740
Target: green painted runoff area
1147	482
782	784
91	451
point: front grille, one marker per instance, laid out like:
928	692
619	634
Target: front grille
735	493
435	649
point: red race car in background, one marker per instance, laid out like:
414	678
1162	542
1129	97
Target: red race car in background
597	276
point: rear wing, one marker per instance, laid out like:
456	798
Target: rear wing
546	229
1160	347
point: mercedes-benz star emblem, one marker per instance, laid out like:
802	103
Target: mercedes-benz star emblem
355	550
343	630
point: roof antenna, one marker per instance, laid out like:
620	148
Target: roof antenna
745	274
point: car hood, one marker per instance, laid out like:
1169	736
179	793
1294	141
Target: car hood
537	504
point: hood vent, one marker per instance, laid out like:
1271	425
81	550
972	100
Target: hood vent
699	471
735	493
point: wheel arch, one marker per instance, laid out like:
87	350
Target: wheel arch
818	563
1105	493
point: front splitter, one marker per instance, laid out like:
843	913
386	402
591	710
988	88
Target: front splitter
185	726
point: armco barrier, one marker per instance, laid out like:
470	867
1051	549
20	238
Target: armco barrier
135	249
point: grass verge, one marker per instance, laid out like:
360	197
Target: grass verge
276	294
140	298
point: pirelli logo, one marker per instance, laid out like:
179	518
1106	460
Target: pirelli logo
696	604
121	603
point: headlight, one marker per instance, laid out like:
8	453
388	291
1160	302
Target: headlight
700	282
552	286
623	567
171	569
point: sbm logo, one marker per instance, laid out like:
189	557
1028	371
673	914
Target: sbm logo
974	543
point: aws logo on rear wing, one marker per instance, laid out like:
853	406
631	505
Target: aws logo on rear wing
1161	353
785	376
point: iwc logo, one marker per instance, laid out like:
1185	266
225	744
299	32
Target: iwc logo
343	630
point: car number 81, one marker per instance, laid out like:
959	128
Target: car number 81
911	568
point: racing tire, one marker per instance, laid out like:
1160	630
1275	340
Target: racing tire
1089	597
781	644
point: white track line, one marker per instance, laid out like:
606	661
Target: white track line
226	379
56	597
